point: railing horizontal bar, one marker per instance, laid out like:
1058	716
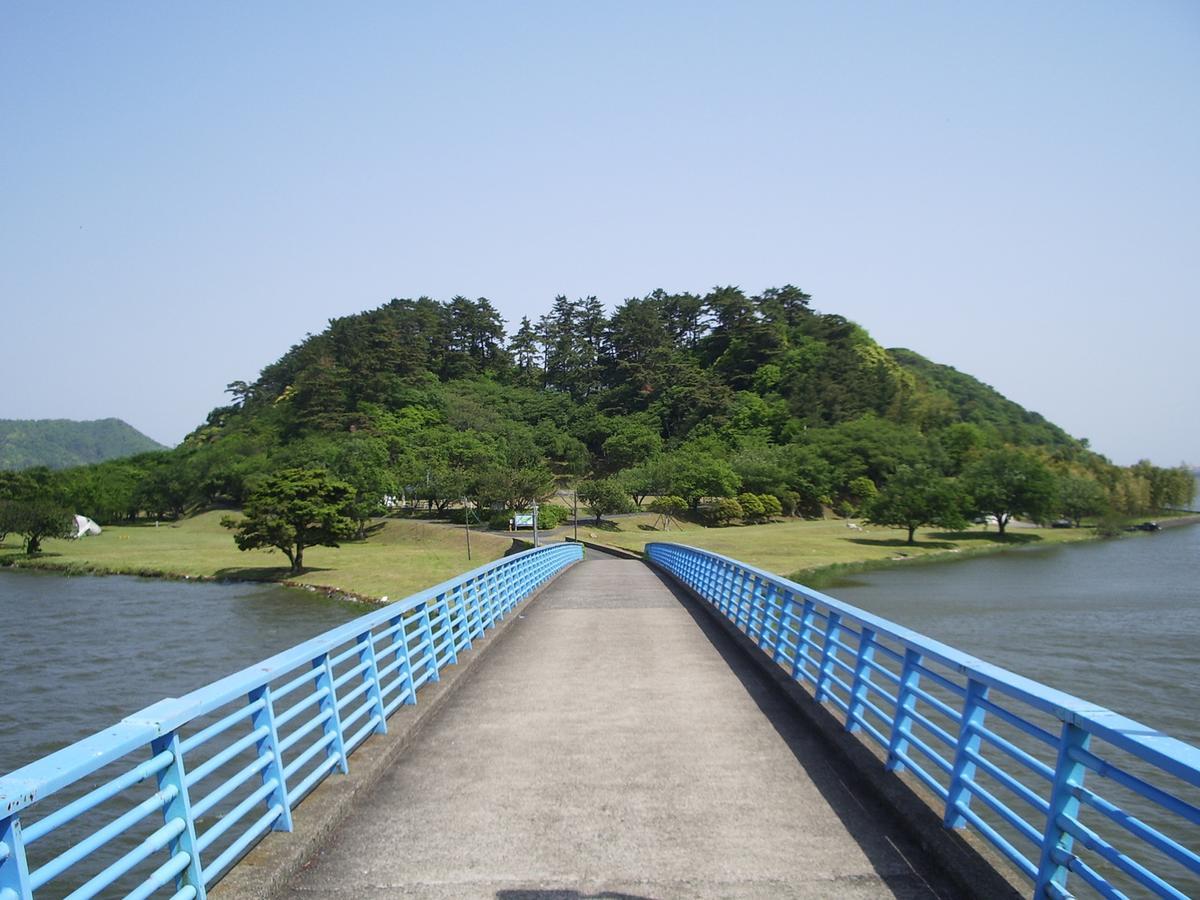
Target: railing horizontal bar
1005	812
396	701
879	736
155	842
1038	803
1161	842
305	677
219	759
391	667
936	758
188	892
231	818
933	728
1111	854
161	877
358	713
348	698
294	710
100	837
882	692
1015	856
215	796
1094	880
350	673
205	735
299	734
1107	770
939	678
92	799
1019	722
924	777
362	733
882	670
312	778
1017	754
948	711
353	650
316	747
234	850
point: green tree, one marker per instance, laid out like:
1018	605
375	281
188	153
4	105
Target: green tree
604	497
915	497
1009	482
292	510
362	462
631	443
1079	496
35	520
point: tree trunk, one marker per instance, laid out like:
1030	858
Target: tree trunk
298	561
33	545
912	529
1001	524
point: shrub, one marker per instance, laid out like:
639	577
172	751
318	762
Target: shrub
724	510
752	508
771	505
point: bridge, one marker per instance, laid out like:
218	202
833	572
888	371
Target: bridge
548	726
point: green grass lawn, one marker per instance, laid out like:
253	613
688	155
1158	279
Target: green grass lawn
399	559
802	549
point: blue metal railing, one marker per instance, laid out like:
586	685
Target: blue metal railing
1056	784
229	762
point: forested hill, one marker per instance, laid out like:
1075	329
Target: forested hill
699	399
61	443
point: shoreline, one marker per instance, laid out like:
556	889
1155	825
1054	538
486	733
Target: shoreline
819	577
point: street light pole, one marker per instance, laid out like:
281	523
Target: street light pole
467	525
575	515
535	528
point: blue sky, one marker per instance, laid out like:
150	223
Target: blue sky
1009	188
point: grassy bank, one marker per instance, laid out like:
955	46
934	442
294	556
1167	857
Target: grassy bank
816	552
401	558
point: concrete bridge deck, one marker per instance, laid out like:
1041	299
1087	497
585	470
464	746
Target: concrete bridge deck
616	743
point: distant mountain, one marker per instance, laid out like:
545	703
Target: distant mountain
62	443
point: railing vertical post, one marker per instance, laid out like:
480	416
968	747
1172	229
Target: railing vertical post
803	660
333	724
862	680
180	807
453	650
14	869
268	745
786	605
767	625
431	662
969	742
833	628
370	675
906	702
1057	842
487	617
400	639
463	618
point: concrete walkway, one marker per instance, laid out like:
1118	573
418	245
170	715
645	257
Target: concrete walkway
616	744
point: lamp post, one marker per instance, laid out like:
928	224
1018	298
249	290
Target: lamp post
575	515
535	528
467	525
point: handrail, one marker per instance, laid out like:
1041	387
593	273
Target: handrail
341	687
978	736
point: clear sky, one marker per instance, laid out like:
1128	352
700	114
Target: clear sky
1012	188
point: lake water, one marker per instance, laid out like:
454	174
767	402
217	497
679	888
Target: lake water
80	653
